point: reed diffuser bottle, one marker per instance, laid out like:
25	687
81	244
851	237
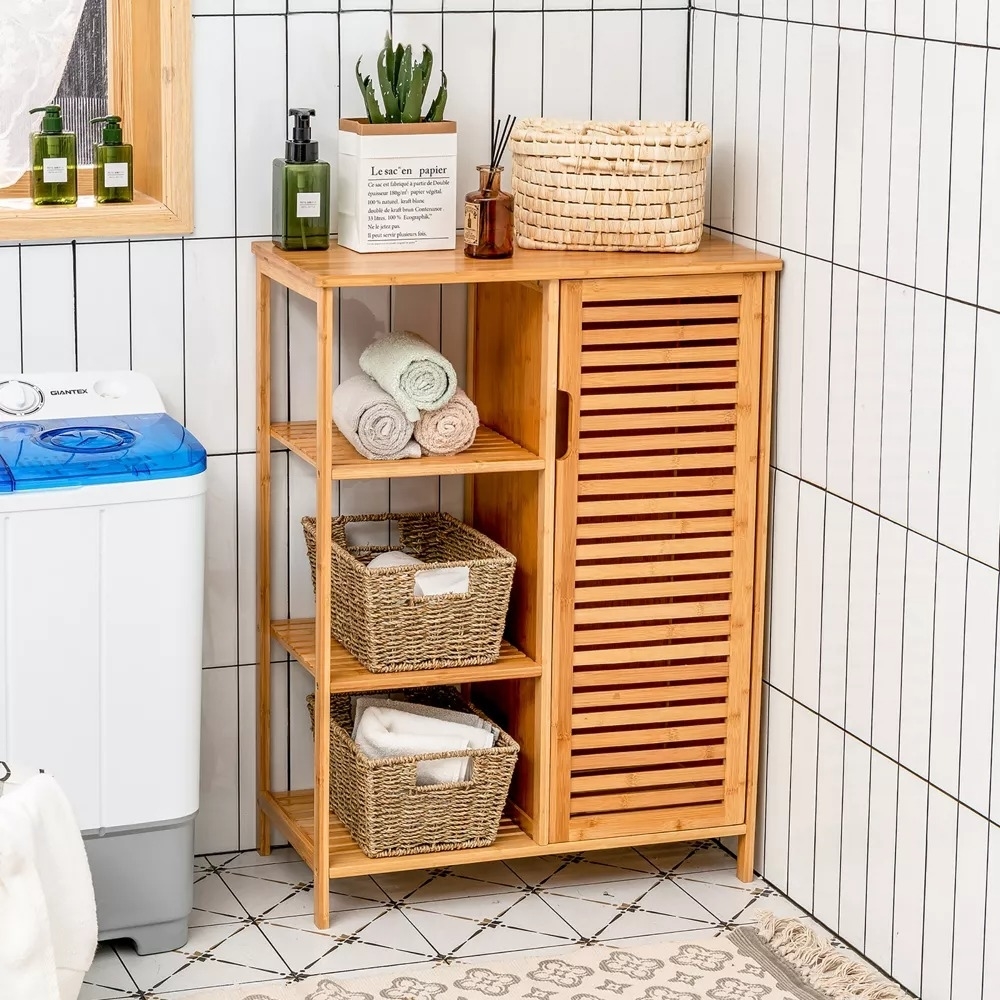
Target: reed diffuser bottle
489	210
489	217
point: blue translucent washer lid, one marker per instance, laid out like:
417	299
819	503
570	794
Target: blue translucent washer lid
55	454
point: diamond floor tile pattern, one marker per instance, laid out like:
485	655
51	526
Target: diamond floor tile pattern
253	916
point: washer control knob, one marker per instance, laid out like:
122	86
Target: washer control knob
18	398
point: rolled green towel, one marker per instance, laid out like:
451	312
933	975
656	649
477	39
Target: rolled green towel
411	371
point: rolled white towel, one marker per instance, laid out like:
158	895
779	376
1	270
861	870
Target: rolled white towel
389	732
372	421
48	914
428	582
416	375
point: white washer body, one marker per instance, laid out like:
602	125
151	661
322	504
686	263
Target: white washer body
101	605
101	598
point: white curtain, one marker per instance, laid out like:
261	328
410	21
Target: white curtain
35	41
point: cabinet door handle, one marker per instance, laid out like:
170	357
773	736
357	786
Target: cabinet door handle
564	414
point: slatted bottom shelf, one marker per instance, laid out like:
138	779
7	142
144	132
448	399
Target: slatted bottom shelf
298	636
292	814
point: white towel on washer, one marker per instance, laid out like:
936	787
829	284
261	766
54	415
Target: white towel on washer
383	732
48	917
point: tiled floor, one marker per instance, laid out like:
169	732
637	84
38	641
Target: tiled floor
253	916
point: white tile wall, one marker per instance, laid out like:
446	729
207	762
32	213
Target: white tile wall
183	309
875	166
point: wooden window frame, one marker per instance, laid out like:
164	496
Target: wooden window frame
149	85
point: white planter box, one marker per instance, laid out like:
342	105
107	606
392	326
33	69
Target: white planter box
397	186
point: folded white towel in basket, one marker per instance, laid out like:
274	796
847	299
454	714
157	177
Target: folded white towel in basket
47	912
359	702
383	732
428	582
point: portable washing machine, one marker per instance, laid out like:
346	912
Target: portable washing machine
102	535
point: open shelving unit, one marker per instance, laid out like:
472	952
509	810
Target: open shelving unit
510	472
569	358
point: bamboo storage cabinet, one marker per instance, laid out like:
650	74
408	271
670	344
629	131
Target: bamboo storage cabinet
623	459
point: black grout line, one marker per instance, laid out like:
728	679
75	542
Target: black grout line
883	517
924	779
20	305
76	320
861	30
857	270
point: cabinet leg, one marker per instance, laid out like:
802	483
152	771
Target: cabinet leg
263	555
744	857
321	904
263	833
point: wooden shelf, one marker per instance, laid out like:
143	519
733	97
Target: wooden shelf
21	219
348	675
342	268
491	452
293	813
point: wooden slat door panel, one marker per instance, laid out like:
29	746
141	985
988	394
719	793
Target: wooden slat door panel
655	530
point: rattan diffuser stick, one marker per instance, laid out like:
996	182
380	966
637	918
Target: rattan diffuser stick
499	146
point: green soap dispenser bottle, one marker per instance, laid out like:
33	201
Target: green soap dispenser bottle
53	160
112	163
301	197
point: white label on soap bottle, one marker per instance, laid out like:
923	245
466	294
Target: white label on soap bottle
307	204
54	170
116	175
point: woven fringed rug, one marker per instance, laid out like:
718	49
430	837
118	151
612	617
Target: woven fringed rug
779	960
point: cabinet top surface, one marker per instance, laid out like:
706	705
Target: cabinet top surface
339	267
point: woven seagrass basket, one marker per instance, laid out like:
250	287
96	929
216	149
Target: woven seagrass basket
609	185
388	814
375	616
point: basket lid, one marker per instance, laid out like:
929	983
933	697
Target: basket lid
644	133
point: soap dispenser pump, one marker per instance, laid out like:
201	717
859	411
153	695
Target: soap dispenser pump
112	163
53	160
300	208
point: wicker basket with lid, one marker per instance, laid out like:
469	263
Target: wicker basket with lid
610	185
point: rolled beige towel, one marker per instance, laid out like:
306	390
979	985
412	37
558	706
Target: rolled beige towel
449	430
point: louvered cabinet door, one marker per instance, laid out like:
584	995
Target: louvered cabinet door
656	494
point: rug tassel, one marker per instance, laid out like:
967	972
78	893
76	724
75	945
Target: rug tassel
822	966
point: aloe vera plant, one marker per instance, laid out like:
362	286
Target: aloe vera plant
403	85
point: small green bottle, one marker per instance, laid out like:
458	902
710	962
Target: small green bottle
112	163
300	207
53	160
